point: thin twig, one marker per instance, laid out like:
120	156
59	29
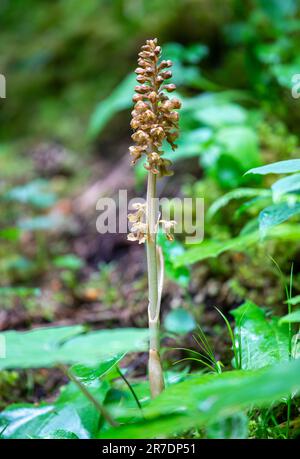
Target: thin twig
99	407
131	390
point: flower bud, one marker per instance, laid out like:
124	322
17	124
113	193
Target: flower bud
137	97
141	79
169	87
166	75
143	89
176	103
165	64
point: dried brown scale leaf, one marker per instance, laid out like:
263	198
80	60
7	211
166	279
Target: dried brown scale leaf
153	117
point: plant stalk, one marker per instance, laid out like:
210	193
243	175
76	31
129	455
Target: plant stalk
155	280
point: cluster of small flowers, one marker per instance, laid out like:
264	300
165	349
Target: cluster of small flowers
154	117
139	230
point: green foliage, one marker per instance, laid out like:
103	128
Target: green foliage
202	399
69	261
238	193
51	346
211	248
171	250
285	203
285	185
179	321
34	193
276	214
293	317
71	416
281	167
233	427
118	100
262	342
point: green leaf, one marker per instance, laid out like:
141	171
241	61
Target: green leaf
227	171
86	373
219	115
203	399
293	317
72	412
47	347
238	193
212	248
241	243
281	167
295	300
119	99
262	342
276	214
241	143
194	53
179	321
285	185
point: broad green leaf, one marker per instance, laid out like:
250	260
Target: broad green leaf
222	115
293	317
212	248
241	143
242	243
276	214
203	399
86	373
295	300
227	171
238	193
120	99
261	341
47	347
179	321
72	412
281	167
286	185
234	150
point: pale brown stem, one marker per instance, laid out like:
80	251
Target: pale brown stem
155	279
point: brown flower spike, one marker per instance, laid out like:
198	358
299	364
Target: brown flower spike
154	118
